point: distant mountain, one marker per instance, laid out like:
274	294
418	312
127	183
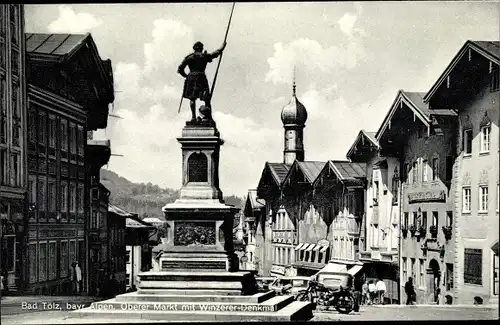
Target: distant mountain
145	199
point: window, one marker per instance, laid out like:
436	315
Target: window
468	141
64	196
15	165
81	197
466	199
414	221
449	276
64	135
52	196
473	263
72	138
421	278
42	131
405	221
435	218
493	77
449	218
485	138
406	171
42	194
64	261
52	131
42	262
405	272
3	108
52	260
495	274
483	198
5	168
424	171
415	172
412	270
81	141
32	189
72	197
435	168
32	262
424	220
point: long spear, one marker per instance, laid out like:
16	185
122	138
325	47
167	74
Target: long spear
220	59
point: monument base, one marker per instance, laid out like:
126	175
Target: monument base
168	306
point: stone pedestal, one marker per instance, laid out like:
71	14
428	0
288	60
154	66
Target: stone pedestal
199	224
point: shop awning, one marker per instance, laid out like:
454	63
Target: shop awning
333	268
355	269
310	247
299	246
316	247
323	249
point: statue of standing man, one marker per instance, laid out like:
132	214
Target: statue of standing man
196	83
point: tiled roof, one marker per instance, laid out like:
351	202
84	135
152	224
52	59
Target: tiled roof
492	47
311	169
54	44
417	98
252	197
349	170
279	170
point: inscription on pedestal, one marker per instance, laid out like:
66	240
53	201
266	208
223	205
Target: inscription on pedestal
196	265
197	168
194	233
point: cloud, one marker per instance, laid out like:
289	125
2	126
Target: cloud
71	22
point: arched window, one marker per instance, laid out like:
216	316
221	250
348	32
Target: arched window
197	167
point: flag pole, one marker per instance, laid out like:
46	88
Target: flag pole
220	59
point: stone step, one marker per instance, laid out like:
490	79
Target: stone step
162	297
273	304
294	311
189	292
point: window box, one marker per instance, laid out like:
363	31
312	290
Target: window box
441	251
447	232
433	231
422	231
413	230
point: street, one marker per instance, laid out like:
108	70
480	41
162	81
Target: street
15	311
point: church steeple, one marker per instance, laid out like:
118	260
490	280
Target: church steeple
294	117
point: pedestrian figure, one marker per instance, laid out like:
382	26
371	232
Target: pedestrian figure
438	296
196	83
372	291
357	293
365	293
78	278
113	286
411	296
380	288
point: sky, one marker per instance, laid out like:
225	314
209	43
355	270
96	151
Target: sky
350	58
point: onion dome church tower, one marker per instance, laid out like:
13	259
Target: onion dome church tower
294	117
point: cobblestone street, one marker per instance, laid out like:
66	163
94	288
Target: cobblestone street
13	313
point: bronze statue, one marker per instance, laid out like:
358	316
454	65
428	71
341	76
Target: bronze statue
196	83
